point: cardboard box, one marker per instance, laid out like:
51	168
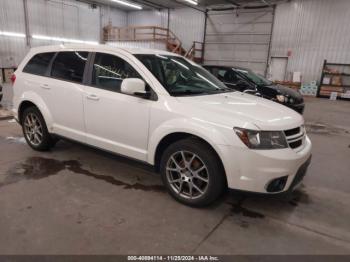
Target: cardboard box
337	80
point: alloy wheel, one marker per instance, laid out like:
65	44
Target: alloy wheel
33	129
187	174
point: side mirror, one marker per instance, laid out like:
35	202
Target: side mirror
134	86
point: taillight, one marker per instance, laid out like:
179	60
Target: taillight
13	78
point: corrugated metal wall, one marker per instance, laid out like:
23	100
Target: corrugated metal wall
186	23
12	49
66	19
148	18
54	18
113	15
239	38
313	30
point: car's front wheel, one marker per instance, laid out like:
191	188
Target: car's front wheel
35	131
192	172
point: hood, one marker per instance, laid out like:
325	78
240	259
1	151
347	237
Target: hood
243	110
287	91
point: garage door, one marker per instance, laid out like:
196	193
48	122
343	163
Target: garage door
239	38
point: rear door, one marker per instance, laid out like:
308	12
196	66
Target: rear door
35	74
64	94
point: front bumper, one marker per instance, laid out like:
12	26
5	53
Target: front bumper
254	170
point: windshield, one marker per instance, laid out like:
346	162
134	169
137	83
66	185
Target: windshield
180	77
257	79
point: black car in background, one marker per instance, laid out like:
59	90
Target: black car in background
0	92
245	80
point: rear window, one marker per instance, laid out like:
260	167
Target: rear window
38	64
69	66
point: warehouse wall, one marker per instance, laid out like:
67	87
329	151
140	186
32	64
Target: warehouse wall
12	49
186	23
313	30
65	19
239	38
113	15
148	18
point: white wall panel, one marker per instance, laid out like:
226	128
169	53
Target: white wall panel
59	18
188	25
68	19
148	18
12	49
113	15
313	30
239	38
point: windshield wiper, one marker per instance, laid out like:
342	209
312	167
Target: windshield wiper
187	92
223	90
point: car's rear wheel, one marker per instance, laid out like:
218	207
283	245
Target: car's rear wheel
35	130
192	172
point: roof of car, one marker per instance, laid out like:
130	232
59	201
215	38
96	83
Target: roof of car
233	67
95	48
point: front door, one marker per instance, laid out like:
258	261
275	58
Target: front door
114	121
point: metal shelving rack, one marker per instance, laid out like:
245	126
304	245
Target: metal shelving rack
331	70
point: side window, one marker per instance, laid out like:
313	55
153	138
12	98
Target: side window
109	71
231	77
38	64
69	66
221	73
214	71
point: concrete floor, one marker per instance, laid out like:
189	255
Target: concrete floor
77	200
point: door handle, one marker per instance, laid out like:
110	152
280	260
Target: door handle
92	97
45	86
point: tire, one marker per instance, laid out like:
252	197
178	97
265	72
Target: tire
36	135
202	171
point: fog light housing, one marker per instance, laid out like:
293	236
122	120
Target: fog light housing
277	184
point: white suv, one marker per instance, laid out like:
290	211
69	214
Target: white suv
162	109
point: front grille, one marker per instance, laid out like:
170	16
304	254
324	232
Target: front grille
292	132
296	144
295	137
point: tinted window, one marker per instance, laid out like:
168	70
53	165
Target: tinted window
227	76
109	71
38	64
69	66
256	78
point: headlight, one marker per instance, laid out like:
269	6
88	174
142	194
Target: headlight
281	98
262	139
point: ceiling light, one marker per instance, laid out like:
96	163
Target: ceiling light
60	39
193	2
12	34
122	2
